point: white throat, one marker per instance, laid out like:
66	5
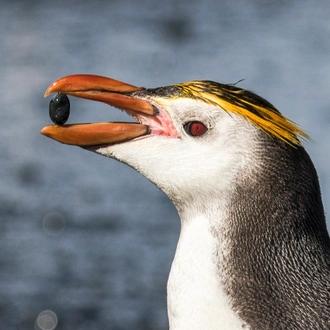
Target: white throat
196	299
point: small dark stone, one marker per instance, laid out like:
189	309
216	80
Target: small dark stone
59	109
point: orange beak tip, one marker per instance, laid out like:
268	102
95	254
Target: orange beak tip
43	131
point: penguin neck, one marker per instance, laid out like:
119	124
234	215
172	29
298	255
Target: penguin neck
247	257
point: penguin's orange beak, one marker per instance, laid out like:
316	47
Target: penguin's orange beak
107	90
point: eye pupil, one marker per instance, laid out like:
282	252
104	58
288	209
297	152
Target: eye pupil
195	128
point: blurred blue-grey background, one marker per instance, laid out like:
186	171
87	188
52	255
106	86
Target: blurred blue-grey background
88	238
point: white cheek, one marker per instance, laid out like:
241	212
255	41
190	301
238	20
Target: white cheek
190	164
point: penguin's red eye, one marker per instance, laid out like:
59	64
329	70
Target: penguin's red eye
195	128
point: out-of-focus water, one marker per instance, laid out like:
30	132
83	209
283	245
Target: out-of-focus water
86	237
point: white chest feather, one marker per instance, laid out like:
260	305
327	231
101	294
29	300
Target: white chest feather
196	299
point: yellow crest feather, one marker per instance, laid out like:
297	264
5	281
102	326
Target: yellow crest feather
247	104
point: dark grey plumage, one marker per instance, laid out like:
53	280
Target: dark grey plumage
279	265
